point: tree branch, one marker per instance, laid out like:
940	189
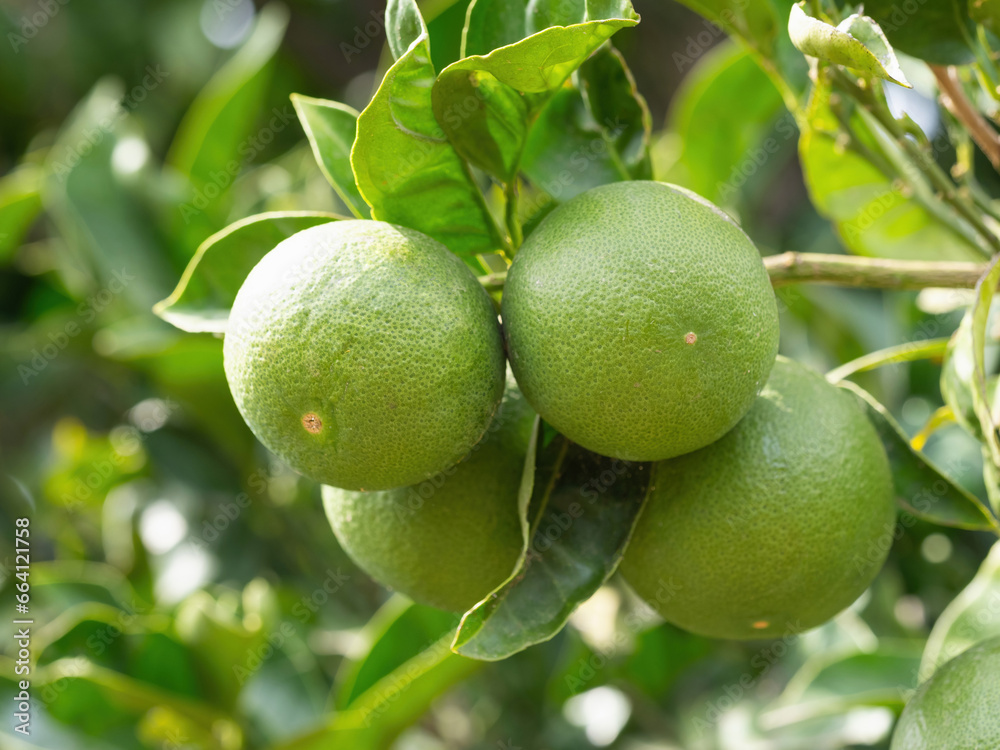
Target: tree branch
874	273
848	270
956	102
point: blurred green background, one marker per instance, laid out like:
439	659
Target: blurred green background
186	589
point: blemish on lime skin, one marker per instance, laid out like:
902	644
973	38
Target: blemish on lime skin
312	423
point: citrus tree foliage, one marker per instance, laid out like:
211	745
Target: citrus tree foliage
537	107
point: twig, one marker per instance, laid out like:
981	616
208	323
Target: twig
956	102
848	270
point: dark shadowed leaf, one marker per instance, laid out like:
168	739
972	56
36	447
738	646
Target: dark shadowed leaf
591	134
485	120
493	23
331	128
921	488
587	506
205	293
938	31
409	173
618	108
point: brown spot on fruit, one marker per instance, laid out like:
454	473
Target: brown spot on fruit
312	423
760	624
690	337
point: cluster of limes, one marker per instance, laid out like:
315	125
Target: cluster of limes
637	320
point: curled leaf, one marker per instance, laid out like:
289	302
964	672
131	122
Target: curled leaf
857	43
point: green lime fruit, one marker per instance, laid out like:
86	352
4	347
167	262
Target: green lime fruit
365	355
958	708
774	528
640	321
449	541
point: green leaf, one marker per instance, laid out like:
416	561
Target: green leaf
403	25
753	20
221	132
591	134
542	62
857	43
921	488
936	31
874	215
106	226
987	13
718	151
485	121
398	632
971	617
490	24
618	108
830	684
589	505
225	112
20	205
208	287
331	128
911	351
957	375
980	313
408	172
379	714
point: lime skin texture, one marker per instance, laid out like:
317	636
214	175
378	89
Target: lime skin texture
774	528
958	707
365	355
640	321
449	541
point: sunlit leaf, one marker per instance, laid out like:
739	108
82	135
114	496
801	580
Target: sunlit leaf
587	508
543	61
971	617
874	214
403	25
331	128
921	488
398	632
20	205
208	287
409	173
857	43
719	153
